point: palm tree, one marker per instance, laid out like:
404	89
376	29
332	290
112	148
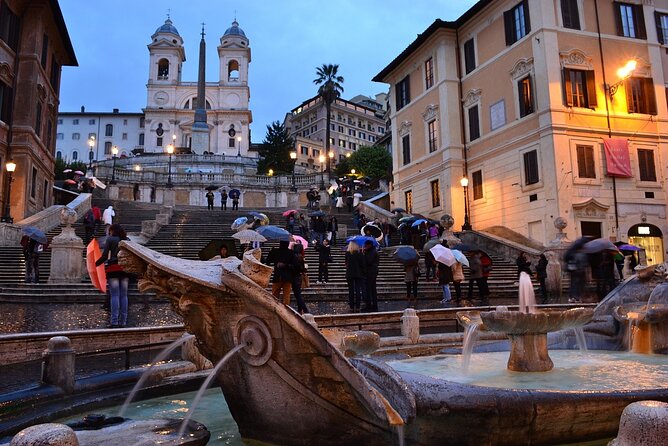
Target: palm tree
329	89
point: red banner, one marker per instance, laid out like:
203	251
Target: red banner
617	157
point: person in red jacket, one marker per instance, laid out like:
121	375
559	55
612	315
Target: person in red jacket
486	262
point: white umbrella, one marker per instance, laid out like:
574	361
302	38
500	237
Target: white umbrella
248	235
443	255
460	257
99	183
357	194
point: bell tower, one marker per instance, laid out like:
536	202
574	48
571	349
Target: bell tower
166	55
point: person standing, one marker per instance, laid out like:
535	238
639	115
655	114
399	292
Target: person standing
475	276
31	251
108	218
298	277
354	276
303	226
411	275
339	203
319	228
97	213
283	259
324	258
430	266
541	275
89	225
117	279
223	200
444	279
209	200
371	263
333	227
290	223
387	232
576	265
234	195
457	278
523	264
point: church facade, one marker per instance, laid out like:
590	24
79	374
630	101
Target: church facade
171	101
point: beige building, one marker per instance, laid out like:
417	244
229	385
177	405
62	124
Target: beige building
520	97
354	123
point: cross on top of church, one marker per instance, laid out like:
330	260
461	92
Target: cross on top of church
203	30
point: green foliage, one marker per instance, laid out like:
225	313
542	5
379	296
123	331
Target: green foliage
371	161
342	168
275	150
329	82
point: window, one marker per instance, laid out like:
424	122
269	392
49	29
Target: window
45	194
158	141
340	129
361	135
630	21
10	25
142	122
476	182
125	122
661	27
333	127
586	165
646	165
432	135
230	142
33	183
108	130
516	22
474	123
92	136
406	149
54	77
531	175
525	93
408	195
75	155
59	155
570	16
60	136
75	122
91	122
402	90
353	146
76	136
640	95
381	130
45	50
469	56
579	88
428	73
233	71
163	69
304	150
342	143
435	194
49	133
107	148
124	136
60	121
5	102
141	139
352	132
38	119
316	153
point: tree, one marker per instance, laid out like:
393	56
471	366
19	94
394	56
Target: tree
329	89
371	161
342	168
275	150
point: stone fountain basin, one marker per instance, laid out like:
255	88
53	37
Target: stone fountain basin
515	322
640	311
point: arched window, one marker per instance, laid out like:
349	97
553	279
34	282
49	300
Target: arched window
75	155
59	155
187	104
233	70
163	69
109	130
107	148
194	104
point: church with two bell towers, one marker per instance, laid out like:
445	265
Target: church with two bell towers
174	114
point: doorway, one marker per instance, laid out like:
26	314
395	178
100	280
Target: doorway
591	229
650	238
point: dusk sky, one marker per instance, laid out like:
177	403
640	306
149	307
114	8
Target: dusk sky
288	40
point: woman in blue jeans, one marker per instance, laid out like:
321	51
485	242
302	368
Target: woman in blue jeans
117	279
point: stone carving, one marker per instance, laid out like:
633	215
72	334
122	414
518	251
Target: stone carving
472	97
591	208
576	58
405	128
6	73
68	216
430	112
522	67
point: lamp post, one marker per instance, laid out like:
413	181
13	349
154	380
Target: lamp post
465	184
7	217
91	144
321	158
623	73
293	157
239	146
170	152
270	173
114	152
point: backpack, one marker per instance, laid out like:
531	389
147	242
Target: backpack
89	218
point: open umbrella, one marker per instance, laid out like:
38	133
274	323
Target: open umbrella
357	194
317	214
372	230
236	224
78	172
361	239
627	247
271	232
212	187
460	257
466	247
70	182
212	249
35	234
576	246
259	216
98	277
67	170
234	194
443	255
430	244
248	235
298	239
398	210
290	212
406	255
418	222
599	245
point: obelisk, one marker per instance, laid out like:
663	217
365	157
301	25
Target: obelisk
200	131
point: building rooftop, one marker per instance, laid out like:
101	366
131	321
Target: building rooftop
167	27
234	30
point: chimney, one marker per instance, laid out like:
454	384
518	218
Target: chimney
83	109
115	110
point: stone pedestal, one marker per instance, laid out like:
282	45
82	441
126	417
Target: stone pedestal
46	434
528	353
112	191
169	197
66	252
58	364
200	138
410	325
447	222
554	273
644	423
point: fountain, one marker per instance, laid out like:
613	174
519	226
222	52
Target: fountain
646	324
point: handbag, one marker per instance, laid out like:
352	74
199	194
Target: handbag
113	268
305	280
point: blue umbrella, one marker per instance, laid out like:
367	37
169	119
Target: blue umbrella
627	247
35	234
317	214
418	222
234	193
271	232
259	216
406	254
236	224
361	239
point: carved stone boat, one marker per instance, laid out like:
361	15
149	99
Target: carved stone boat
290	386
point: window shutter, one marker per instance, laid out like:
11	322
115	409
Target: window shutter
527	21
651	170
639	18
618	18
407	86
628	87
582	162
522	97
508	23
659	29
650	97
568	88
397	95
591	89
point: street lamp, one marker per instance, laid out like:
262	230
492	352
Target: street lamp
11	167
348	155
91	144
271	172
321	158
170	151
137	168
239	146
623	73
465	184
293	157
353	171
114	152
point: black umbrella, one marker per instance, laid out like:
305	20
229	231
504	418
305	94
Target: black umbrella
576	246
234	193
398	210
372	230
406	255
466	247
212	249
317	214
212	187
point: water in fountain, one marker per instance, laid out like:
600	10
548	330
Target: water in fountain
580	338
159	358
470	338
205	385
400	435
527	296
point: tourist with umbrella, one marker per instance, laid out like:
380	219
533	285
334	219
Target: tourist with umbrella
271	232
355	276
371	262
458	276
409	257
117	279
248	236
223	200
234	195
284	261
33	242
300	278
324	259
239	223
475	276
